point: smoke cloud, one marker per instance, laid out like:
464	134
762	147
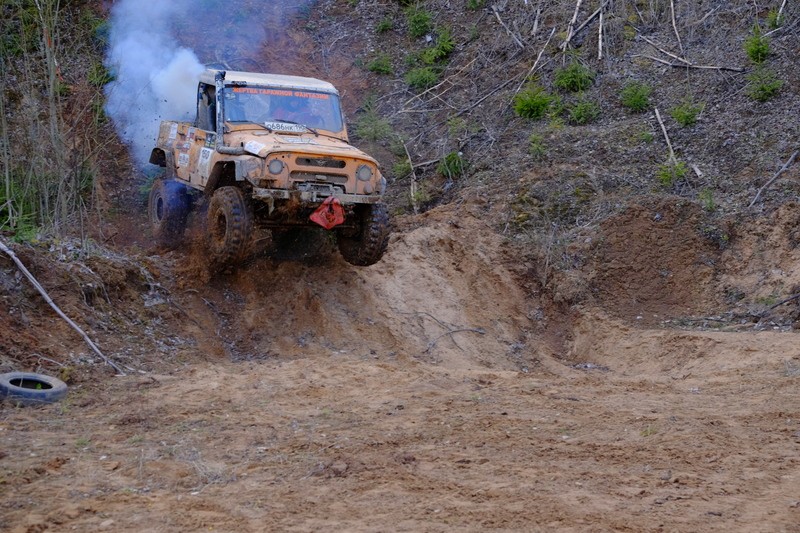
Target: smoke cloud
158	49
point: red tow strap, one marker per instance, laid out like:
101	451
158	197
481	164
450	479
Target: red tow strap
329	214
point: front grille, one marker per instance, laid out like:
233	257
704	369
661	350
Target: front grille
310	176
320	162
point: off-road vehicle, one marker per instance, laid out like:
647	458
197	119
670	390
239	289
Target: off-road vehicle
267	151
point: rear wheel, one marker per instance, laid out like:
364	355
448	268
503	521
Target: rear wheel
230	225
367	244
167	208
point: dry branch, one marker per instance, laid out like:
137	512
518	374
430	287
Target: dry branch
657	47
689	65
776	176
535	63
508	30
571	24
600	37
58	310
571	34
413	186
666	137
675	26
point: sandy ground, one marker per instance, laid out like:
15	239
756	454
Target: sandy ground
436	391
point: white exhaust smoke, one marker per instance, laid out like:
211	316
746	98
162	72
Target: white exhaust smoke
156	77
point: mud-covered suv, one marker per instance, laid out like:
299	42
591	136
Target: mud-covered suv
270	151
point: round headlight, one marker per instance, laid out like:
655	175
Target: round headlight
275	166
364	173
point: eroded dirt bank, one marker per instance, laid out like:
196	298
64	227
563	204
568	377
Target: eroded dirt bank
441	390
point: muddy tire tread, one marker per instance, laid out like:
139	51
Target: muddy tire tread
369	244
230	248
168	224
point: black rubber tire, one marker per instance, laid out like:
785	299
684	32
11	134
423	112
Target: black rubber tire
28	388
168	207
367	245
230	226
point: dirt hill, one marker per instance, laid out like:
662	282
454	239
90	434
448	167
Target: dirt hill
559	337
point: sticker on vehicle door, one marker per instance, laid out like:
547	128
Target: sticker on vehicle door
205	161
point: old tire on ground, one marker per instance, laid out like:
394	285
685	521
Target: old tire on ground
230	226
27	388
367	244
167	208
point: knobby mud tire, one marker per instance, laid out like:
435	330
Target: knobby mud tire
368	244
230	226
168	207
27	388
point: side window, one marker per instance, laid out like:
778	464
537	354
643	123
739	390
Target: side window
206	107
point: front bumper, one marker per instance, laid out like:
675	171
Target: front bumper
315	195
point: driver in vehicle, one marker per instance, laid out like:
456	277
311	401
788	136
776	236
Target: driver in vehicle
295	109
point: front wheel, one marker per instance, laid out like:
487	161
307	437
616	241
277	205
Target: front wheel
167	208
368	243
230	225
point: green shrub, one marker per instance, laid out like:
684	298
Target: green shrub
706	197
774	19
671	172
574	77
583	111
384	25
99	75
443	47
402	169
474	5
370	126
686	113
763	84
636	96
536	146
380	65
452	165
757	46
646	137
419	22
421	78
534	102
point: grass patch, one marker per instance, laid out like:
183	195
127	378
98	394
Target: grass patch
763	84
536	146
381	65
421	78
686	113
671	172
774	19
534	102
757	46
440	51
419	22
370	126
635	96
583	112
386	24
574	78
453	165
402	169
706	197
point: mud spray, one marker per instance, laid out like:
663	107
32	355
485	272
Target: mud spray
158	49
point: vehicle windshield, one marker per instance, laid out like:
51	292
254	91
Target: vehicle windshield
265	105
